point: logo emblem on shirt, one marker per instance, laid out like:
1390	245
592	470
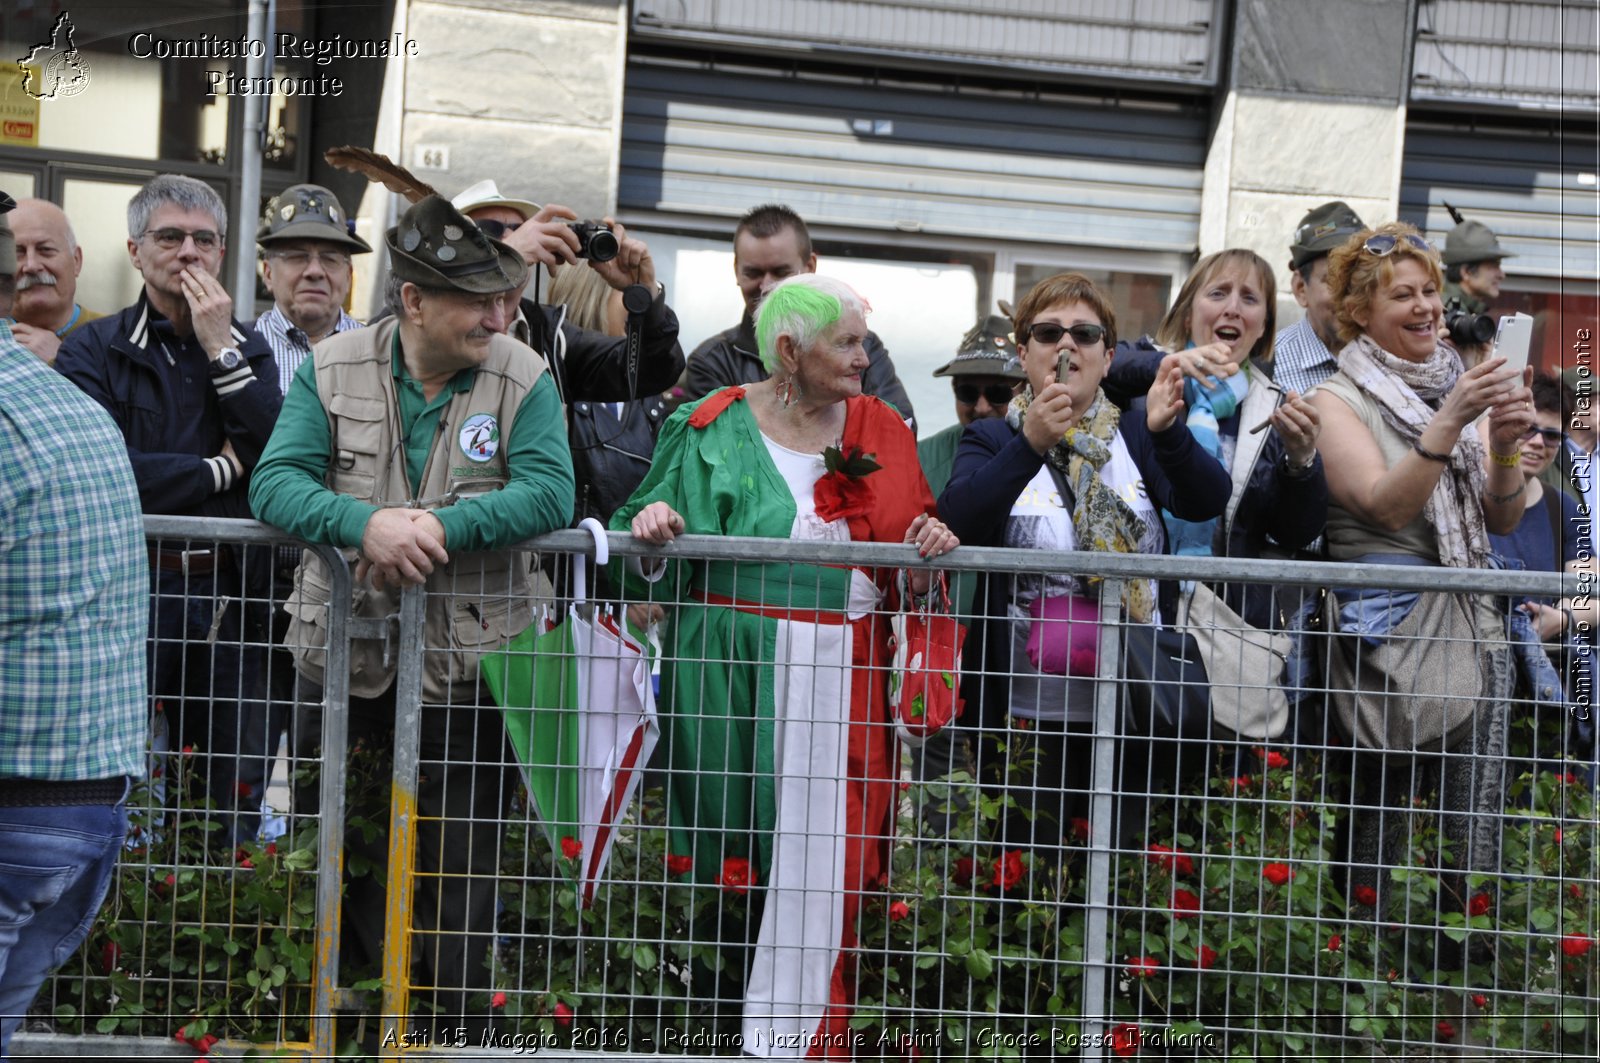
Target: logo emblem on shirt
480	437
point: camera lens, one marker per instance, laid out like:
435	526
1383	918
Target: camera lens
602	246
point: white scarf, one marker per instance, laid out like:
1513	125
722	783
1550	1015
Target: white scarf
1408	394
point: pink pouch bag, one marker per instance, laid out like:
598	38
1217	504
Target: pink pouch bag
1065	636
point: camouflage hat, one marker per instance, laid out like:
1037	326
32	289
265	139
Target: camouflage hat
1472	241
1322	230
436	246
987	350
8	239
308	212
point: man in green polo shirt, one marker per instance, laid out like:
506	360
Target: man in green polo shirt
425	446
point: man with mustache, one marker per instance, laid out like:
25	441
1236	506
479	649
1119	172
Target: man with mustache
48	263
424	446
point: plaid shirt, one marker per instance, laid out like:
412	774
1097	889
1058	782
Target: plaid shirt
74	582
290	345
1300	360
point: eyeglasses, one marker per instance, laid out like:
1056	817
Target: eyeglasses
1551	436
1385	243
298	260
997	394
204	239
1049	332
497	230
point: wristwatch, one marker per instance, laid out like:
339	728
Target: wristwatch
228	359
1298	472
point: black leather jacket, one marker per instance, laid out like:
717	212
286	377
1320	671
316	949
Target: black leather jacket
730	358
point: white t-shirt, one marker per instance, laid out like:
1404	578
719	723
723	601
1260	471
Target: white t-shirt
801	472
1040	520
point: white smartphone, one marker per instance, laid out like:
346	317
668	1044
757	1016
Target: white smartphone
1512	341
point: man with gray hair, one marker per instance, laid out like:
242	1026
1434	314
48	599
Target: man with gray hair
48	263
195	394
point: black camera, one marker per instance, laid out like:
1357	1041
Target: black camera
1466	328
595	242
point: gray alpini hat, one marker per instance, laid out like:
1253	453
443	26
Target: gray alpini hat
986	350
1472	241
1321	230
436	246
307	212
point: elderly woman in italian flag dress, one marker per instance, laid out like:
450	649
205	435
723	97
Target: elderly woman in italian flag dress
781	750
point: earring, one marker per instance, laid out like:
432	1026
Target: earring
785	392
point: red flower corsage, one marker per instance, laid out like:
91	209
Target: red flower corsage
843	490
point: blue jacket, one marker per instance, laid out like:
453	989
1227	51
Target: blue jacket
113	360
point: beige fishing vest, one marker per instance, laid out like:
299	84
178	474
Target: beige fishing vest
475	603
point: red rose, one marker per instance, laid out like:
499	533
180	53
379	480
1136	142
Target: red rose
1575	890
1558	836
1080	829
737	875
1479	1000
1241	782
1273	758
171	880
1185	905
1125	1039
1277	874
108	956
272	848
1008	871
1576	944
1446	1031
1335	943
899	910
1479	904
571	848
679	865
563	1014
1176	861
1143	966
1366	895
498	1000
1205	957
962	873
837	495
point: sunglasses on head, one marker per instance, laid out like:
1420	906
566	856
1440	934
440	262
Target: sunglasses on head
1385	243
997	394
1551	436
496	230
1050	332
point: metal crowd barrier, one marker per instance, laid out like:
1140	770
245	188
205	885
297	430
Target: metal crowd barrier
1072	890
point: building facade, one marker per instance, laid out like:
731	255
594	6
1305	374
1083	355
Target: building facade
948	153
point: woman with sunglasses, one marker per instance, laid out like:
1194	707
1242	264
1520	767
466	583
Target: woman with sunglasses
1064	470
1410	481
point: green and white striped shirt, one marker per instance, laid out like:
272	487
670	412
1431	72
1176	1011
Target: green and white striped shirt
74	582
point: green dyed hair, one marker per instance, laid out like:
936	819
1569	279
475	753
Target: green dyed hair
804	308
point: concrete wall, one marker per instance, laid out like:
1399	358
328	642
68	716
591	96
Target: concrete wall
528	92
1313	110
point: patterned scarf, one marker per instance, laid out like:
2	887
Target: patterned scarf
1408	394
1101	520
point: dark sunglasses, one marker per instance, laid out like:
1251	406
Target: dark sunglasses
997	394
496	230
1551	436
1050	332
1385	243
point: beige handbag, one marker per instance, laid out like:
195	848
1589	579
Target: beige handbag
1418	691
1244	665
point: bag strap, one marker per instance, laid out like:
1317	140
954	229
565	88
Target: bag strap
1552	508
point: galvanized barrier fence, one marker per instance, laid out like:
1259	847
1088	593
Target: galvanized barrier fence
789	875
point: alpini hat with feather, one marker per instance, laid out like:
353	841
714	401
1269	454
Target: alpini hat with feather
436	246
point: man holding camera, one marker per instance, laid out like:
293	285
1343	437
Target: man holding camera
1472	270
585	365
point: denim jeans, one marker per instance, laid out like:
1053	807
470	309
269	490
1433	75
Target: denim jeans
55	866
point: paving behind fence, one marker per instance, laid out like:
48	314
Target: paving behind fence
1035	888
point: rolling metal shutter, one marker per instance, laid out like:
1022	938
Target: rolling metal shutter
1536	190
928	158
